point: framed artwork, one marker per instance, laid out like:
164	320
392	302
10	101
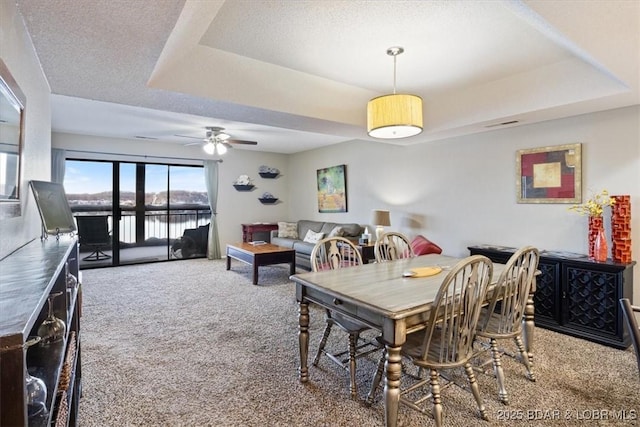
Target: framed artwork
332	189
550	174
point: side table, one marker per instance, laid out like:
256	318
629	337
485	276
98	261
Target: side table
260	227
367	252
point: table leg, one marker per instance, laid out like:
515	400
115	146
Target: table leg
527	331
228	262
392	371
255	272
292	266
303	341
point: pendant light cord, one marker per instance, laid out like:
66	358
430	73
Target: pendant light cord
394	73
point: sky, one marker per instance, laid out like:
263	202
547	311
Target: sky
95	177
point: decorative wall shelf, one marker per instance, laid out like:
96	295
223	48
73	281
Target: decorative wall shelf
265	201
269	175
243	187
268	172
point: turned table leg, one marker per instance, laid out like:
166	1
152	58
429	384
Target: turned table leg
303	341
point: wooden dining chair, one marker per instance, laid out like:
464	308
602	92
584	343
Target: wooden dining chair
447	338
330	254
628	311
502	318
391	246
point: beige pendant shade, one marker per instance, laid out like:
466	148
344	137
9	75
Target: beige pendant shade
397	115
394	116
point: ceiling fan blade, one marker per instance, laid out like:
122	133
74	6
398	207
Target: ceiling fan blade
193	143
240	141
192	137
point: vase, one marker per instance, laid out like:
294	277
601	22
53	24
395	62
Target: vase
600	247
595	226
621	229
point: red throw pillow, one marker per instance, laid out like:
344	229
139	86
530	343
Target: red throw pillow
422	246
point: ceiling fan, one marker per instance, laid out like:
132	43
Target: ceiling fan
217	141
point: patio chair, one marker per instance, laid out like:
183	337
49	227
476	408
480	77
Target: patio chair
93	232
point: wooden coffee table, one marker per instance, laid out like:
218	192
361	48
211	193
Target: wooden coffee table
259	255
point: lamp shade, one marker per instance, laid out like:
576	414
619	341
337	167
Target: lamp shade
381	218
394	116
209	148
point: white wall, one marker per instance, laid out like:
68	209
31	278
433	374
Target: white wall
19	55
462	191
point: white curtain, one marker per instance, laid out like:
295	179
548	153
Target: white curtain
211	178
58	158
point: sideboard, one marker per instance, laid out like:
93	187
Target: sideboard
261	228
577	296
33	277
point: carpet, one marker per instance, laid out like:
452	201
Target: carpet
187	343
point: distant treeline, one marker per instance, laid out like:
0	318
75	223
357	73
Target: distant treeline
177	196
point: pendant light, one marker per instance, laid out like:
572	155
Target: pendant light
397	115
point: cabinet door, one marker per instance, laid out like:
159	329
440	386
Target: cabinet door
548	296
592	300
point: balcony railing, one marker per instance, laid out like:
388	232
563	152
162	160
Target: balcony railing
159	222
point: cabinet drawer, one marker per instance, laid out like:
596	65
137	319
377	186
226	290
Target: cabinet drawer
344	307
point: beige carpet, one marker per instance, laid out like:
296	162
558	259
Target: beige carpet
188	343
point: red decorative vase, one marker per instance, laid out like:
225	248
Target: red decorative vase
595	226
621	229
600	248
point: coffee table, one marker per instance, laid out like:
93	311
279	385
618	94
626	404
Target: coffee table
260	255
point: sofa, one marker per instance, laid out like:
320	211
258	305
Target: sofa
293	234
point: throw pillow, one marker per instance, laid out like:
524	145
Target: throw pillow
336	232
422	246
288	229
313	237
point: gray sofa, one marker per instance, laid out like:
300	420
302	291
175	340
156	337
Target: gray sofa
303	249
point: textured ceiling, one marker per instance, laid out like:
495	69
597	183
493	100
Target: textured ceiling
297	75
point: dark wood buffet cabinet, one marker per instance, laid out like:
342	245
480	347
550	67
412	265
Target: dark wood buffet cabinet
33	277
577	296
261	228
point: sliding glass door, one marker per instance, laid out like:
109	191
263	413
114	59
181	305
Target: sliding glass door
160	211
88	186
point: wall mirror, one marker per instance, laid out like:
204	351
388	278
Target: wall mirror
12	105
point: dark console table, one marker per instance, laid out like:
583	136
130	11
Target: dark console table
263	228
577	296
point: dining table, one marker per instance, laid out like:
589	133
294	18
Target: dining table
381	296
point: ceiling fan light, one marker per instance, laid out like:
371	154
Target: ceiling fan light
221	149
209	148
394	116
222	136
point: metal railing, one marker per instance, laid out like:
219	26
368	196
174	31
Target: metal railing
159	223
